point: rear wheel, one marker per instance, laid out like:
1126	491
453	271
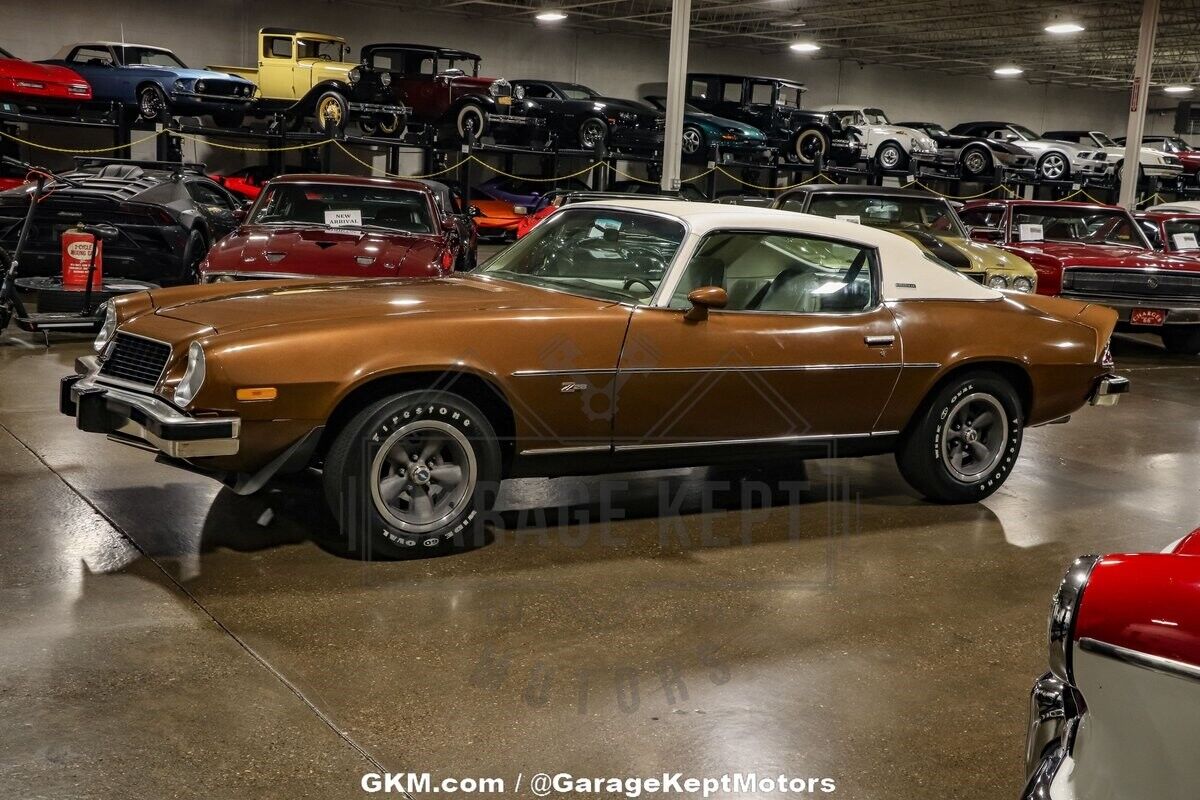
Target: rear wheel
964	443
807	146
412	474
471	123
193	253
1184	340
976	162
694	141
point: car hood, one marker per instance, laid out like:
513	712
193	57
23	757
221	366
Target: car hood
967	255
233	307
16	68
723	123
1066	147
317	250
617	104
1075	254
470	81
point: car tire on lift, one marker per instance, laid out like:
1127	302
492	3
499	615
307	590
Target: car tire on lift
152	104
470	124
193	253
330	112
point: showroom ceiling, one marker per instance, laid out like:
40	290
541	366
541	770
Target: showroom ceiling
959	36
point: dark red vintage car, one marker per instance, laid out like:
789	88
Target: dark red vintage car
1172	231
1100	254
1116	715
41	86
305	226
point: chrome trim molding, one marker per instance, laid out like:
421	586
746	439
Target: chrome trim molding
761	440
1159	664
532	373
554	451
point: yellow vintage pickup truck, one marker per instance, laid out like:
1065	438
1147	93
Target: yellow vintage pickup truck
306	75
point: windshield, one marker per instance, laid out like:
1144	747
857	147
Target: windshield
603	253
320	48
936	130
1066	224
149	57
573	91
341	206
1103	139
789	96
1023	132
875	116
903	214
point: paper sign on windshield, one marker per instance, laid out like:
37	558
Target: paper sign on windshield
849	218
1030	232
344	217
1185	241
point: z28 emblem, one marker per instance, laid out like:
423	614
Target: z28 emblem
572	386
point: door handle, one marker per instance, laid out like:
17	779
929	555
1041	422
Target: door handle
879	341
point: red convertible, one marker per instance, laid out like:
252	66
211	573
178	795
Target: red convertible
1098	254
339	226
40	86
1118	714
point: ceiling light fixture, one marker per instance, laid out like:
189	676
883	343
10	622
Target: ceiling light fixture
1177	89
1064	27
550	15
1006	71
804	47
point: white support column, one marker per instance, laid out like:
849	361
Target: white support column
681	18
1139	95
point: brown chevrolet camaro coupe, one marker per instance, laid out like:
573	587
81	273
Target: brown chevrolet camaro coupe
613	336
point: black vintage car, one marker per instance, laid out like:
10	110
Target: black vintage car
976	156
167	216
773	106
577	115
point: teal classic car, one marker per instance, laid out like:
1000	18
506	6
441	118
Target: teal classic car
702	130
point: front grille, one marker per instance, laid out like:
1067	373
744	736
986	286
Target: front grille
220	88
136	360
1138	284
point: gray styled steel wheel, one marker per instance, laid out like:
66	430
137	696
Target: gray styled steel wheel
976	161
693	140
152	103
890	156
423	476
1054	167
974	436
592	132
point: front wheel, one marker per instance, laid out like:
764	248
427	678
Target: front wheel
965	441
193	253
152	104
593	131
331	111
412	474
1054	167
1184	340
891	157
470	124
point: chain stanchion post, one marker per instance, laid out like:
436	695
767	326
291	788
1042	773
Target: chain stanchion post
123	137
393	159
710	183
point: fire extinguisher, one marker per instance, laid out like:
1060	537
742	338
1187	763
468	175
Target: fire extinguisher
82	260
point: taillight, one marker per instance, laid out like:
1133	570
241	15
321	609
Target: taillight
447	260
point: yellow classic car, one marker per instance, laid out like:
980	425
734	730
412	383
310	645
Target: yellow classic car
929	221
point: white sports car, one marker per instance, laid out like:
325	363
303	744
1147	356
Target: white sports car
888	146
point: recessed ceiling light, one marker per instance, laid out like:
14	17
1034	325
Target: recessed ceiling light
551	15
804	47
1008	70
1064	27
1177	89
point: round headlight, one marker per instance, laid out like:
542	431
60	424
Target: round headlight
199	86
385	78
519	92
108	328
1063	612
998	282
193	376
180	85
354	75
1022	284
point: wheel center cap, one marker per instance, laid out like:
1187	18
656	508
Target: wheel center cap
419	473
971	435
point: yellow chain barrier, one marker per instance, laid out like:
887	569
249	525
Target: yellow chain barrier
489	167
387	174
80	151
736	179
998	187
306	145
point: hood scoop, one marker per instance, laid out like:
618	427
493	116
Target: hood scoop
325	245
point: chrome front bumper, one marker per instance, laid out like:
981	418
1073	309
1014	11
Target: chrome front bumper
1108	390
125	414
1053	715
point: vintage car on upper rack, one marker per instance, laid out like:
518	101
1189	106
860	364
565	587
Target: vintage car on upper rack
645	334
975	156
442	88
1151	163
340	226
703	131
579	116
549	203
773	106
31	86
1054	160
308	75
885	146
1171	231
167	215
1098	254
153	84
928	220
1116	714
1188	156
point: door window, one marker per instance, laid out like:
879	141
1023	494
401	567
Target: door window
539	91
277	47
762	94
98	56
731	91
780	273
210	196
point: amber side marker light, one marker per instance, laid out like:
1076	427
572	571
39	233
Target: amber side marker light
259	393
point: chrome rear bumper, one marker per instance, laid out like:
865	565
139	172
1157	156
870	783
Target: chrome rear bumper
1108	390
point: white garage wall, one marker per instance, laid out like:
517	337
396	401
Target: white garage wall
223	32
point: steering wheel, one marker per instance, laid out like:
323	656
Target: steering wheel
629	282
326	57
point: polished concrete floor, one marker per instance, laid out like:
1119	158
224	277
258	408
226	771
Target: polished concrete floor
158	640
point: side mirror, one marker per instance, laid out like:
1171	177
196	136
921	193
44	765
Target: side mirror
473	211
987	234
449	224
703	299
240	214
